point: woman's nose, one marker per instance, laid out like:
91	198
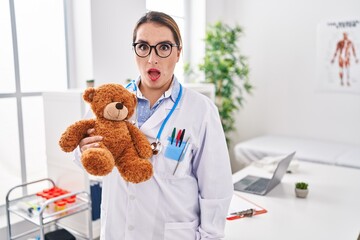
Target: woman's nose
153	58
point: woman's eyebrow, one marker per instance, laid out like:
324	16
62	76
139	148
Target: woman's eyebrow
165	41
141	41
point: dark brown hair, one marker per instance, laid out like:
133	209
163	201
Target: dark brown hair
162	19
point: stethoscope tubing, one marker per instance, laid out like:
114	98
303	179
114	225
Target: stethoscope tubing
156	146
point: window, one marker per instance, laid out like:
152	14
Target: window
33	60
175	8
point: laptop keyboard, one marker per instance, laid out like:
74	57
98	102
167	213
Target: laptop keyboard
258	186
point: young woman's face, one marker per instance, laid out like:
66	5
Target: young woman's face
156	72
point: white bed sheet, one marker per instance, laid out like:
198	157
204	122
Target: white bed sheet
306	150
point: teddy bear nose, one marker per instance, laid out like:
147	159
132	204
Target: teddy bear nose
119	106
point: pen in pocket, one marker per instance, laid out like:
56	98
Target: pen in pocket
182	137
182	155
178	138
173	135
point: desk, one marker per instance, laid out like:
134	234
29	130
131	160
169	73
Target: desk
331	211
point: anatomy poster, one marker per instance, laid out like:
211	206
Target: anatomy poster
338	50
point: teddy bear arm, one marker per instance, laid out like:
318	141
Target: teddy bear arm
140	141
72	136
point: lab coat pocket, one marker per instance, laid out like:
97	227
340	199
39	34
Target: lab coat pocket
181	230
176	161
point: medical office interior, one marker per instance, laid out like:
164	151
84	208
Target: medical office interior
289	108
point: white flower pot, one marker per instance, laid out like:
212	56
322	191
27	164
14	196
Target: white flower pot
301	193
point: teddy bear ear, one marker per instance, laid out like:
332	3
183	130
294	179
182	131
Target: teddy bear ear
89	94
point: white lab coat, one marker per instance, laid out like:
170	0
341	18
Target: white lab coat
190	205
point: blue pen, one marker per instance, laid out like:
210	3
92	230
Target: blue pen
173	135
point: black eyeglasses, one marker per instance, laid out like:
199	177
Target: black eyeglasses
162	49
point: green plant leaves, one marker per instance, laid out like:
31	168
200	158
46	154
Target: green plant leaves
225	67
301	185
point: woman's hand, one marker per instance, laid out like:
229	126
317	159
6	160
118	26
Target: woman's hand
90	142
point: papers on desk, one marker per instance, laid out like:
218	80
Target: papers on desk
240	206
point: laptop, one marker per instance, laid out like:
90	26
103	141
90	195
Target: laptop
260	185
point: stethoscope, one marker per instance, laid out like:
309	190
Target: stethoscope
156	146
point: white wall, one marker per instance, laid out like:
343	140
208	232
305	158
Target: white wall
112	26
280	42
81	44
194	52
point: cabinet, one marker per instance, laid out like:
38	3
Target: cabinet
43	218
61	109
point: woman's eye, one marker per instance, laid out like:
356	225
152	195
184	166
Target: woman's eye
143	47
165	47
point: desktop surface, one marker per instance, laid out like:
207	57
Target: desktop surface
331	211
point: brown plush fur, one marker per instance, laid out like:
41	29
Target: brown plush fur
123	145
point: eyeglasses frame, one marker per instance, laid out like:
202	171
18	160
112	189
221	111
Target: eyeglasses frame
154	47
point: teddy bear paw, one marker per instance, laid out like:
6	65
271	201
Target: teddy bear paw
137	171
146	152
98	161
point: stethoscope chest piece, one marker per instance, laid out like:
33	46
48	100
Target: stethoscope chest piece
156	147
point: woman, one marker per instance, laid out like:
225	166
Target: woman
191	189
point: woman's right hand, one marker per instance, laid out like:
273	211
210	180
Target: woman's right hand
90	142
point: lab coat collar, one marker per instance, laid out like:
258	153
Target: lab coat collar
151	126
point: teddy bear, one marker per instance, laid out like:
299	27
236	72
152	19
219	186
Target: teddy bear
123	146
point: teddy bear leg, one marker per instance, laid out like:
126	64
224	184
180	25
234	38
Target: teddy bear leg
98	161
134	169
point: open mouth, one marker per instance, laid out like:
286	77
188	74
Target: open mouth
154	74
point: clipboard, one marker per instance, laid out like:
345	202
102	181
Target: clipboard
239	204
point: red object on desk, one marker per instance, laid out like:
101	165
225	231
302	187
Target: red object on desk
247	205
243	216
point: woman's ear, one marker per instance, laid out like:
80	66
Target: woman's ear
179	51
88	95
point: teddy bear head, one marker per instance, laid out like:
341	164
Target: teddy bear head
111	101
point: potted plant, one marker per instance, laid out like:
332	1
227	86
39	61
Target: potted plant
301	189
225	67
